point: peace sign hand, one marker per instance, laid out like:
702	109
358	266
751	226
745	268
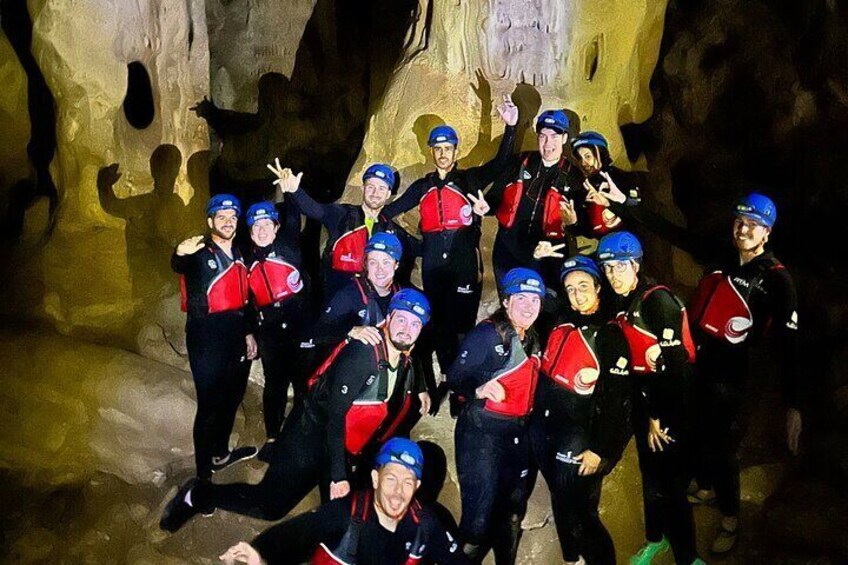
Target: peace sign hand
286	180
567	212
595	196
612	191
508	111
545	249
480	206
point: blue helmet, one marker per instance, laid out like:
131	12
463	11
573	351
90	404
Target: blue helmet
223	202
262	211
619	246
403	452
387	243
759	208
443	134
380	171
522	279
580	263
590	139
413	301
552	119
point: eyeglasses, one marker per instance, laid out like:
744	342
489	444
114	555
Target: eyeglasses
617	267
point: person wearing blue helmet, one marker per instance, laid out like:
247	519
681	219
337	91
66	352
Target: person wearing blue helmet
385	522
581	421
655	325
361	396
279	296
593	177
494	379
451	205
219	339
350	225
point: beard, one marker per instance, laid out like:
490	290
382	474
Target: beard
401	345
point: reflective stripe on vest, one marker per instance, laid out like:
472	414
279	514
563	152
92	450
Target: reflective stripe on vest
444	208
644	346
551	218
348	254
273	280
228	291
719	309
570	361
518	379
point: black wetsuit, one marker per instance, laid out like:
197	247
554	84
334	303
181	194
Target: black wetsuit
574	413
349	529
333	439
215	295
452	267
492	443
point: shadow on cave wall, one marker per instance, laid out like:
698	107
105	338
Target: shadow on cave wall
754	95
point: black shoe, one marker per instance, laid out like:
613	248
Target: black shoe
266	454
178	511
234	456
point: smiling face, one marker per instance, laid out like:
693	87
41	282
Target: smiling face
589	163
404	329
550	144
263	232
622	275
375	193
522	309
380	269
444	155
749	236
394	487
582	291
223	223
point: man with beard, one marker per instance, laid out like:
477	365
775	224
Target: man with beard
581	422
655	325
220	347
280	305
361	396
349	226
450	203
382	524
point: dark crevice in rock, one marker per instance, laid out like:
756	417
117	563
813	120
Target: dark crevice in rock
139	108
17	24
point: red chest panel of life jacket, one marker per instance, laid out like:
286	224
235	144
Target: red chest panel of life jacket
601	219
570	360
348	254
518	380
368	419
228	291
551	218
273	280
444	208
644	345
720	309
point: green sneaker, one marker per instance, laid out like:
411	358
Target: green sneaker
699	561
648	551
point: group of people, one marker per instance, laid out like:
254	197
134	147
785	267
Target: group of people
583	353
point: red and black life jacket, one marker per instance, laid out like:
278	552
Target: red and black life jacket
273	280
551	218
369	417
644	345
518	378
720	304
570	360
222	279
360	509
347	253
601	219
444	208
373	315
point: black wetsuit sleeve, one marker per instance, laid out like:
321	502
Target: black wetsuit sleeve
184	264
406	201
295	540
610	427
472	366
345	378
784	328
327	214
482	176
290	223
442	547
338	317
667	389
